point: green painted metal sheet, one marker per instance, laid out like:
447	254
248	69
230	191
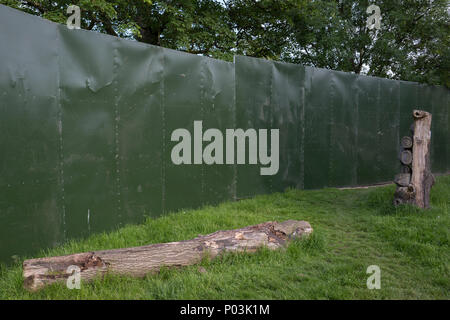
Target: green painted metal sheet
218	112
287	104
368	130
253	111
88	130
440	131
344	131
138	124
30	208
388	129
183	76
317	128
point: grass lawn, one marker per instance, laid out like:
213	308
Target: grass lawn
353	229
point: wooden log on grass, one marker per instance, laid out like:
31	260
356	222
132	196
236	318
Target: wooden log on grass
139	261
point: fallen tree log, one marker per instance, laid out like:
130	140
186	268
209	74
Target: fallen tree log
139	261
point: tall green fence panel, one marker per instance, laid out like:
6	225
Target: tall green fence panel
436	103
88	131
317	128
408	98
253	112
98	131
368	130
388	129
138	126
218	112
287	104
30	206
182	101
344	130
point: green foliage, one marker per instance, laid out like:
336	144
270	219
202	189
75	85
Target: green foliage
353	229
413	43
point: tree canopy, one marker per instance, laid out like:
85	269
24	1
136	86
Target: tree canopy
412	44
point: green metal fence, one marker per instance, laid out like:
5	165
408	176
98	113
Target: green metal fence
86	121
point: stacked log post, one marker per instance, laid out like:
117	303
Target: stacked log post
415	180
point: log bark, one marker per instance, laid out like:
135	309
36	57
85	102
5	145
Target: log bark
404	195
139	261
422	179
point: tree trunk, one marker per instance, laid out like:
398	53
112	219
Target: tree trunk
422	179
139	261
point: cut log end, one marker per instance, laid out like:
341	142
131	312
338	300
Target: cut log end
419	114
406	157
406	142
